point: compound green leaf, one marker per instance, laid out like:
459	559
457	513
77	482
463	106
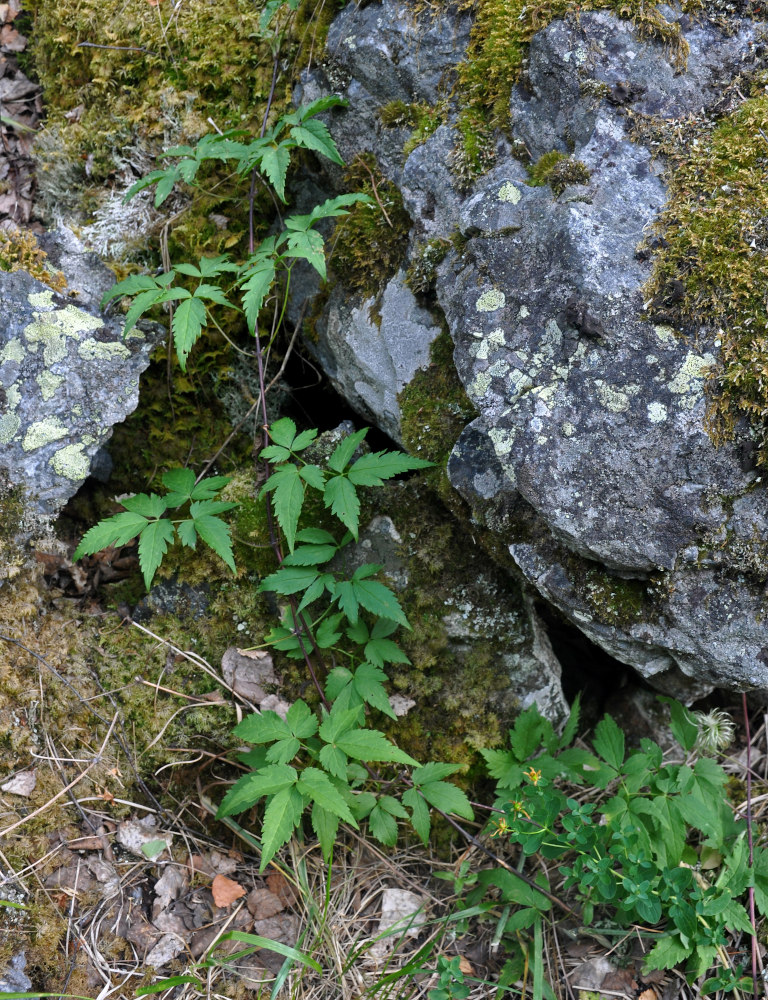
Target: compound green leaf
379	600
247	790
180	483
391	805
315	536
369	684
210	267
310	555
153	544
281	817
609	742
345	596
283	432
682	723
339	721
301	720
433	771
341	497
274	164
215	533
315	783
327	633
147	506
189	318
374	468
503	766
287	491
345	449
289	580
381	651
382	825
668	952
334	761
283	751
207	488
325	824
263	727
308	246
529	733
129	286
447	798
187	534
337	679
420	818
116	530
258	281
212	293
371	745
315	136
313	475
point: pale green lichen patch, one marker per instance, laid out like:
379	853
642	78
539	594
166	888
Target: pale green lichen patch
665	334
691	374
491	300
479	386
657	412
71	463
509	193
13	351
48	383
568	429
41	300
9	427
51	330
612	399
42	433
92	350
502	439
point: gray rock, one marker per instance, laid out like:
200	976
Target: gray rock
66	377
590	454
595	414
372	349
14	979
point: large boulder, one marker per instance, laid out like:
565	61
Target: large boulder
67	377
590	454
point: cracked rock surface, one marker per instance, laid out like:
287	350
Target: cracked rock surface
590	454
66	378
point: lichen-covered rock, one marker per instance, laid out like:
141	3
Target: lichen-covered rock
591	454
372	350
66	377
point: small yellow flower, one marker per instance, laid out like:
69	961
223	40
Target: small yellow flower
502	827
533	775
519	809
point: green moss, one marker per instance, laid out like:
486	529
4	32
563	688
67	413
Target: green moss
712	268
19	251
558	170
498	46
369	244
425	121
434	411
421	273
614	600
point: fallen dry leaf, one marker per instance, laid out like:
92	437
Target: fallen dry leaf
649	994
465	966
226	891
22	783
263	904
